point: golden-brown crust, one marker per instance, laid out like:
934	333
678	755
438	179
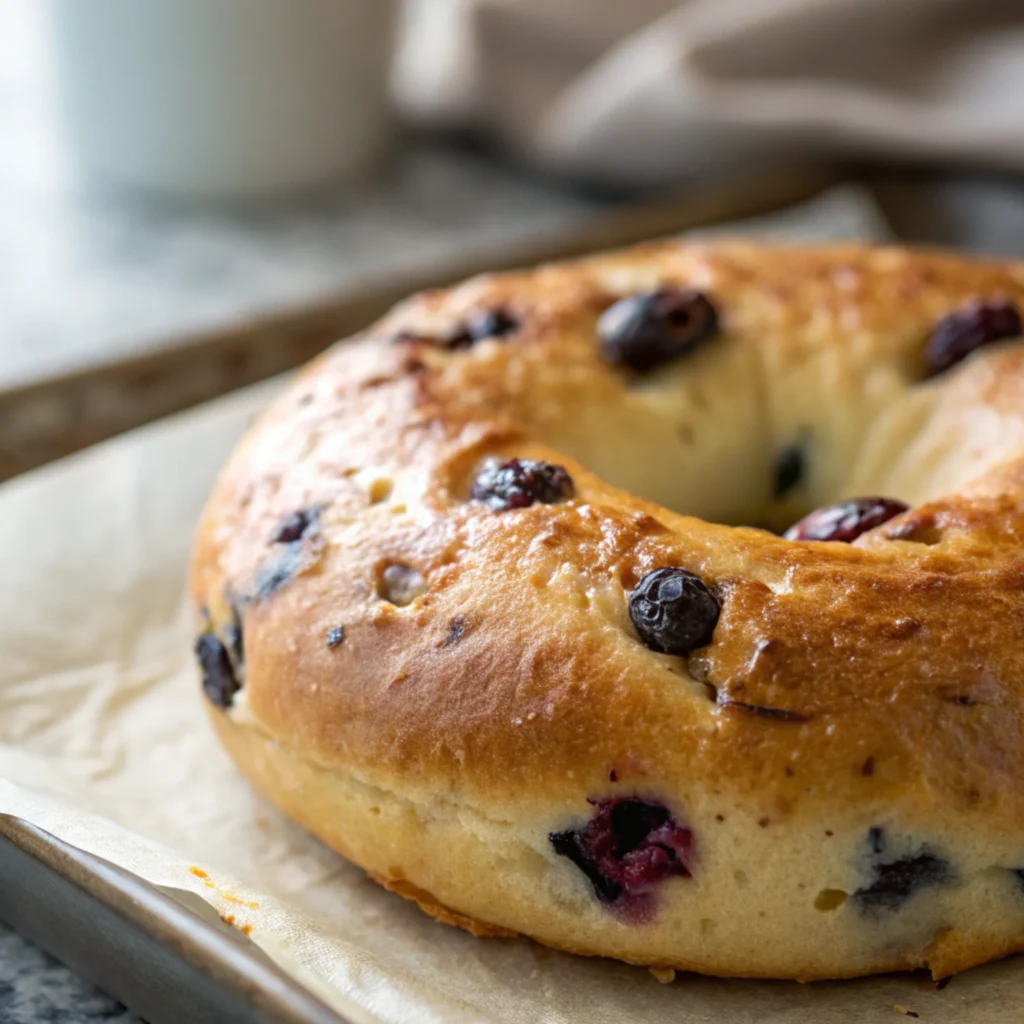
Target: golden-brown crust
373	827
882	680
428	903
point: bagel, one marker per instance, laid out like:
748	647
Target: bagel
666	605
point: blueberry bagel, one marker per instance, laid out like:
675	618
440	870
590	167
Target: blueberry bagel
666	605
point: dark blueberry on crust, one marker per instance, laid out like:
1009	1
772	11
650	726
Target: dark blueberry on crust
673	611
845	521
219	682
894	880
234	639
959	333
520	483
456	631
789	471
627	847
488	323
335	636
645	331
294	526
278	570
287	557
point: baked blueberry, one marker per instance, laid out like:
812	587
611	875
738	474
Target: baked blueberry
278	570
895	879
520	483
219	682
959	333
789	470
295	526
287	557
234	636
846	520
456	631
645	331
335	636
673	611
487	323
627	847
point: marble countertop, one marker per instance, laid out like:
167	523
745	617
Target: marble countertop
36	989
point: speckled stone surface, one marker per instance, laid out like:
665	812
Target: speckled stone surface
36	989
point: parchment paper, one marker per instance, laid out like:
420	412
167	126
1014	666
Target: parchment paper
104	743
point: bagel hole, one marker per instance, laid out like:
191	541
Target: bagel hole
400	584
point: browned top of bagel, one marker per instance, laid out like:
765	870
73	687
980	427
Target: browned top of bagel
886	671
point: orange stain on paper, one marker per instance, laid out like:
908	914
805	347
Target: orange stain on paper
251	904
224	894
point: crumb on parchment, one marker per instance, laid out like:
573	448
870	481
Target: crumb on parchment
664	974
900	1008
245	928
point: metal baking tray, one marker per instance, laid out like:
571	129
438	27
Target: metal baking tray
167	962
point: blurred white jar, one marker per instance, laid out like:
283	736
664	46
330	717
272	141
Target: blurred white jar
225	99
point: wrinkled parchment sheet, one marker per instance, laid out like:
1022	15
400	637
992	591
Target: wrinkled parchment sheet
105	744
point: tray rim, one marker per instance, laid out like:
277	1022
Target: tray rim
237	965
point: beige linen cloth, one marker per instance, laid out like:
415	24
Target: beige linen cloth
641	92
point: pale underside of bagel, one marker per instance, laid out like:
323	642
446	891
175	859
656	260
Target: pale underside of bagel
859	707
